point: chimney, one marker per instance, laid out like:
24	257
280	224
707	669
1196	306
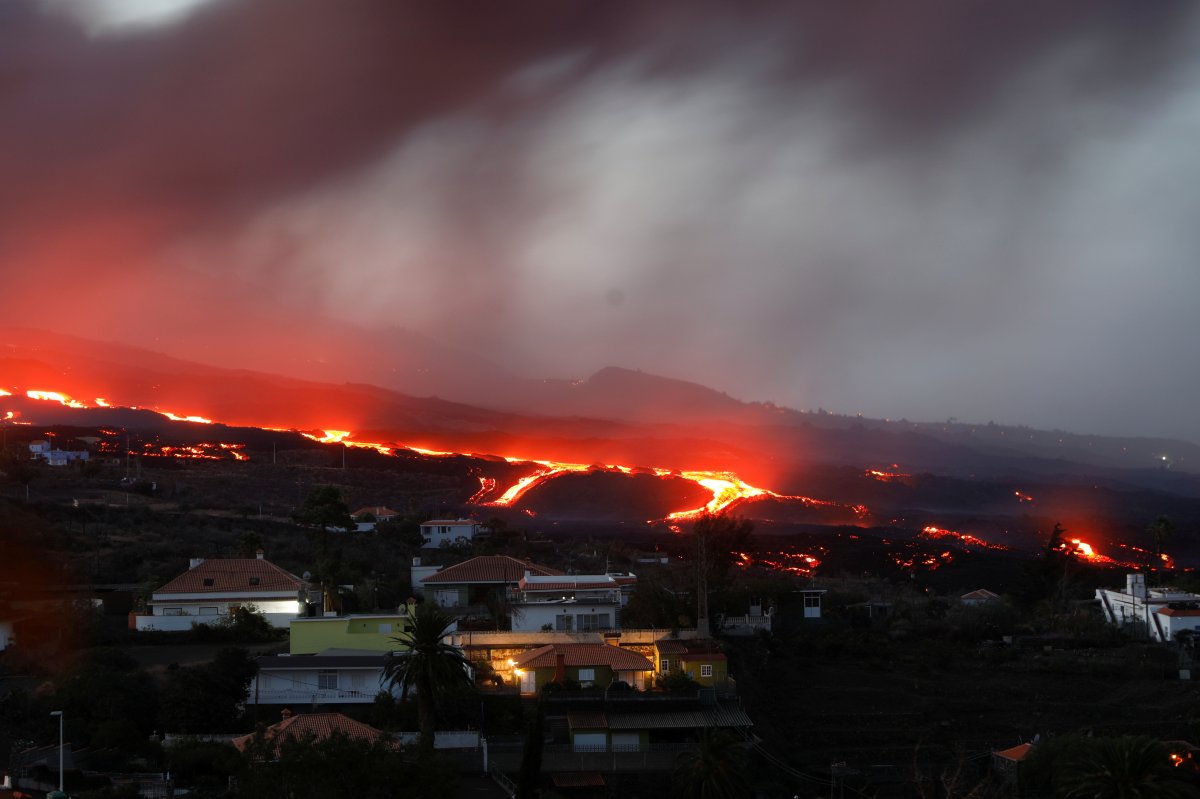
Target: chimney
560	667
416	561
1135	585
258	553
285	714
194	562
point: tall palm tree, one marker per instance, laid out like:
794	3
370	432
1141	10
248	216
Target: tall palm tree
1128	767
427	665
715	770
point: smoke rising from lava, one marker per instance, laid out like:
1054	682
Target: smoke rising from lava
918	210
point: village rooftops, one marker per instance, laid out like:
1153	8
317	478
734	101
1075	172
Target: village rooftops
489	569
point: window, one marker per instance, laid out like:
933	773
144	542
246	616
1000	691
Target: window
254	581
664	665
208	611
587	675
706	670
208	582
385	628
564	622
172	611
812	600
327	680
590	622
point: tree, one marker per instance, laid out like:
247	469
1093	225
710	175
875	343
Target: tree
1128	767
718	540
324	509
715	770
1161	529
428	665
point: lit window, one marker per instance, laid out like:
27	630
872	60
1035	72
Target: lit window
664	664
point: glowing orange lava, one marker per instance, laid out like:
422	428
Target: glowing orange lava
54	396
966	540
889	476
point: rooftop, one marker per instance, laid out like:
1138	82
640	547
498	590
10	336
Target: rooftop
226	575
614	657
489	569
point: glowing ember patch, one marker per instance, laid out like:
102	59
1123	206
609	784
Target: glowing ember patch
888	477
54	396
1078	548
798	563
1022	497
4	393
102	403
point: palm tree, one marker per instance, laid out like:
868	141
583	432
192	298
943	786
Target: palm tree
715	770
1129	767
428	665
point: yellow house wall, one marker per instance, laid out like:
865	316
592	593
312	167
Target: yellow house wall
310	636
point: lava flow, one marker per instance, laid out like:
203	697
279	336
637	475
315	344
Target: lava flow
727	488
965	540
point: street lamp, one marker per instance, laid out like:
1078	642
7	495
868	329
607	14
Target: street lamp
59	713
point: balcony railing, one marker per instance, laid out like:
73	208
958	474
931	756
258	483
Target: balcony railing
317	696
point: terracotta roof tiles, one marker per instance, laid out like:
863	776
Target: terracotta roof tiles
614	657
317	726
227	575
489	569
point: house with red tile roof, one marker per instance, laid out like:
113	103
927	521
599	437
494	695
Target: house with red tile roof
1158	613
314	727
212	589
472	581
591	665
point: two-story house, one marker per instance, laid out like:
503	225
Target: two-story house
211	589
473	582
569	602
442	532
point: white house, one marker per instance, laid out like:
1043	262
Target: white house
438	532
332	677
365	519
211	589
1162	613
570	602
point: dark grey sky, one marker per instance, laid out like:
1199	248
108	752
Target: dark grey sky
986	210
